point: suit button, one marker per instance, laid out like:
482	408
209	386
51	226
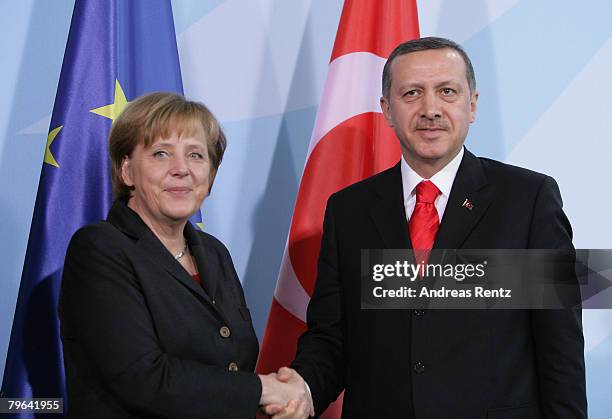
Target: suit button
232	366
224	332
419	313
418	367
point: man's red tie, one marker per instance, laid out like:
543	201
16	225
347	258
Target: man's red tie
424	221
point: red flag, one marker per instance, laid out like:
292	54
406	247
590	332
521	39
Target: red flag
350	141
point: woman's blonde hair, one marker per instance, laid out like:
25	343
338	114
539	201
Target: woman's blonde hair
158	115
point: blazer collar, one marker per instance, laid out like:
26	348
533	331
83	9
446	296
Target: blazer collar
469	199
206	258
126	220
388	211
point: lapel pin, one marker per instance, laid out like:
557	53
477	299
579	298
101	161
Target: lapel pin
468	204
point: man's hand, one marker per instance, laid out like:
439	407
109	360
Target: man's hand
285	395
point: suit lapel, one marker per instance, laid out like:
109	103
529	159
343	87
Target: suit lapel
388	211
160	256
207	260
209	264
469	199
126	220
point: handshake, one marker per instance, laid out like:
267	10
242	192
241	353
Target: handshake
285	395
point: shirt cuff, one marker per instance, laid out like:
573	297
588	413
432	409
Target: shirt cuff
309	393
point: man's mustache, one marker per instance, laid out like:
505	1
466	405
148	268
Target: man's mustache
432	125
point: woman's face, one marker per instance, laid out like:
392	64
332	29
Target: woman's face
170	178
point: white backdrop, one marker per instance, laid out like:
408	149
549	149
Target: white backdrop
542	68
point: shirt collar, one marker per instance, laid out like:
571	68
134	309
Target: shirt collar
443	179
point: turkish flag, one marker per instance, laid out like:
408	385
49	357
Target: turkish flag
350	142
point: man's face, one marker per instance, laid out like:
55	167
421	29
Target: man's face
429	107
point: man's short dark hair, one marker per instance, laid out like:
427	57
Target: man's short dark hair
424	44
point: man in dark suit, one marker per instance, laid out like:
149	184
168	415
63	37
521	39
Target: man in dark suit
439	364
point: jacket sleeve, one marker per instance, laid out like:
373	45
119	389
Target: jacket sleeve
320	357
558	336
104	312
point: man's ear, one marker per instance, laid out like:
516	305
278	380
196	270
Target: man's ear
384	106
126	172
473	105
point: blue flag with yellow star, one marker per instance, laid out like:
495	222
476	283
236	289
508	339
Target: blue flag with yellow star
116	51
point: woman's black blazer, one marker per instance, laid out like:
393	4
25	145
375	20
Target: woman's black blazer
142	339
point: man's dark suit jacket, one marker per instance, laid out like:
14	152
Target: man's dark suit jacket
441	364
143	340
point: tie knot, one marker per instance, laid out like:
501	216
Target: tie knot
426	192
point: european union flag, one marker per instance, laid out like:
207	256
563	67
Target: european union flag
116	51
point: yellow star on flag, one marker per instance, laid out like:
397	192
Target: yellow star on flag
113	110
49	159
201	226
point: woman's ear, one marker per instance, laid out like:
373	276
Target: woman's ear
126	172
